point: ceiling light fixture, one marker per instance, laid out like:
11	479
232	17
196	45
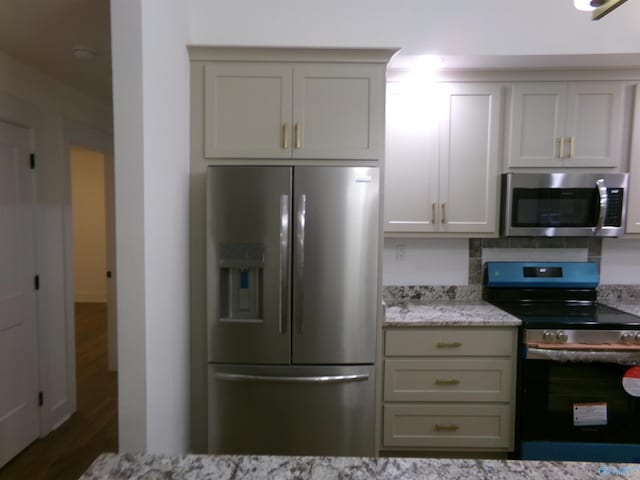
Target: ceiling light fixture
583	5
82	52
604	7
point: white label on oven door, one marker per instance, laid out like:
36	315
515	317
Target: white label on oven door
631	381
589	414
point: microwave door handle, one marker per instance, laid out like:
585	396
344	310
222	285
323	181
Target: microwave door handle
604	202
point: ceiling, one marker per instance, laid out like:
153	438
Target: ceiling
41	33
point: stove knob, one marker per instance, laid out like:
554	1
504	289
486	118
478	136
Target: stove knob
548	336
562	337
627	337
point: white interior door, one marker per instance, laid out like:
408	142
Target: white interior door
19	423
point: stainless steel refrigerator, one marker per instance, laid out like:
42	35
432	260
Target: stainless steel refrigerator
292	300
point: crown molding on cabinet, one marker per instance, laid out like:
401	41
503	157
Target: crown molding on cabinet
277	54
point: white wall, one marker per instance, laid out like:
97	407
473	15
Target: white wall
412	261
620	263
151	106
464	27
33	100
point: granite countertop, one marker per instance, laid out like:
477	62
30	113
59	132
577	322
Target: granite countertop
196	467
448	313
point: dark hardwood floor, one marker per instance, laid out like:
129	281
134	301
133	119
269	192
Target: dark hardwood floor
68	451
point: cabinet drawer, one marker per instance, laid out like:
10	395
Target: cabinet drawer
454	380
455	341
447	426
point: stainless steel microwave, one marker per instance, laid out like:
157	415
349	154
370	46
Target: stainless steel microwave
563	204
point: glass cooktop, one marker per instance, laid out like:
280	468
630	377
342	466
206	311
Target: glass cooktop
575	315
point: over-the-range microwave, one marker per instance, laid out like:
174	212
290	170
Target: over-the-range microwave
563	204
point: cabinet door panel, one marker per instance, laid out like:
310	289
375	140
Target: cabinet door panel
247	108
536	124
469	157
338	111
411	161
594	119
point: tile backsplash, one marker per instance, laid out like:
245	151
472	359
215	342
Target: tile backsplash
530	248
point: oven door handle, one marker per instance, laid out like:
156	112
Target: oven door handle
604	204
619	357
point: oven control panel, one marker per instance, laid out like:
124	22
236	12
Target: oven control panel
588	337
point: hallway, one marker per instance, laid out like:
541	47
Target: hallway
68	451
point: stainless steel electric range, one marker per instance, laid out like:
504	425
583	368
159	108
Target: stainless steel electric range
578	374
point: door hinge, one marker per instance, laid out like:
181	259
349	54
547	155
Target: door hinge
32	161
36	282
40	399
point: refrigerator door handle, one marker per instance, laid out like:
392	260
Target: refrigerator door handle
234	377
284	270
301	214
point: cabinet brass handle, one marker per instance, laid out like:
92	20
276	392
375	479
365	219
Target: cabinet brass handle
285	136
452	381
433	213
561	153
298	129
444	213
572	141
445	428
448	344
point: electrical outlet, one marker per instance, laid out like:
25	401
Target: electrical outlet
401	251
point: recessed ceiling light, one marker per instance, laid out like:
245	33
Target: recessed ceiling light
82	52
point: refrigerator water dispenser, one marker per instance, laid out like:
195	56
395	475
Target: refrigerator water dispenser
241	267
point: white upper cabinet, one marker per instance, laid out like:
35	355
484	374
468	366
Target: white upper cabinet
411	160
246	109
442	158
302	111
633	197
566	125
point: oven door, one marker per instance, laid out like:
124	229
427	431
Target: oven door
579	410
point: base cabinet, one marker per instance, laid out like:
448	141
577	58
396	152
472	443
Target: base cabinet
449	388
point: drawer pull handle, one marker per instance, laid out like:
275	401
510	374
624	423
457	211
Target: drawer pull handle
442	381
445	428
448	344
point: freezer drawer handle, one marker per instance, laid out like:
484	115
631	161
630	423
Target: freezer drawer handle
284	267
449	344
234	377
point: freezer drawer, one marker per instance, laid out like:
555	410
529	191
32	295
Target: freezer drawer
291	410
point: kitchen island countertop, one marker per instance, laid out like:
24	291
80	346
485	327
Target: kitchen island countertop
197	467
448	313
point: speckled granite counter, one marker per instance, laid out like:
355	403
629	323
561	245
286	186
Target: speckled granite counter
197	467
453	313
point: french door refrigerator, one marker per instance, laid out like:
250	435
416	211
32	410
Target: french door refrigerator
292	300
